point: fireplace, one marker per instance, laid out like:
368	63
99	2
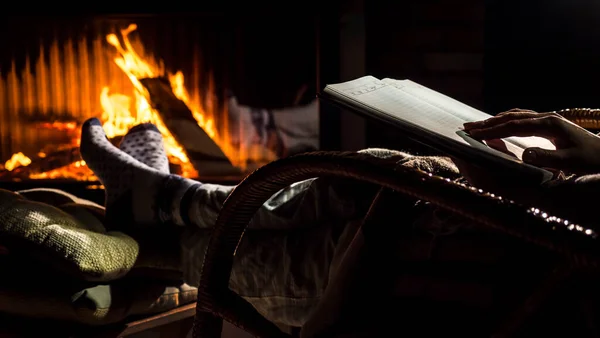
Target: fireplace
127	69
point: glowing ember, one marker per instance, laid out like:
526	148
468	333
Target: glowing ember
76	171
59	125
17	160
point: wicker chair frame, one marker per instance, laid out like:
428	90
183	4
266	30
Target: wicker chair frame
217	302
584	117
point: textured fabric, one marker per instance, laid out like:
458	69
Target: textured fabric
298	127
93	305
282	265
137	195
275	249
57	197
288	131
172	192
145	143
86	212
53	236
74	248
131	186
158	255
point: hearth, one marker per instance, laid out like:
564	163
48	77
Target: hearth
126	70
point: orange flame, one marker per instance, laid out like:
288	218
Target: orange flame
181	93
76	171
117	115
17	160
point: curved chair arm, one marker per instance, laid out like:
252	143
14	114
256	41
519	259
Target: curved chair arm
216	301
584	117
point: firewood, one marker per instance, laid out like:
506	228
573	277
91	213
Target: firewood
38	165
206	156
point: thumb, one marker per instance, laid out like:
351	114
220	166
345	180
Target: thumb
555	159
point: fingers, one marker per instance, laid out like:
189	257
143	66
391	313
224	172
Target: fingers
547	126
499	145
555	159
505	117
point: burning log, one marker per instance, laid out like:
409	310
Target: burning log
38	165
206	156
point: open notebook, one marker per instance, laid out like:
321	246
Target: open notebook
433	119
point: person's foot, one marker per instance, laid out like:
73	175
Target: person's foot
145	143
136	194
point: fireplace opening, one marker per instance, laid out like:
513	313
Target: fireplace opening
206	81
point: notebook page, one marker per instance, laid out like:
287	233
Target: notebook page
362	84
448	104
388	100
401	105
515	145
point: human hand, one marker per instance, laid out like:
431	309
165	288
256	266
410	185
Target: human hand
577	150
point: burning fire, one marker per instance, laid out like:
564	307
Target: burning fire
76	171
117	116
63	126
120	111
17	160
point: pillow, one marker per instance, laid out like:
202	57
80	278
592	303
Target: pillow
66	243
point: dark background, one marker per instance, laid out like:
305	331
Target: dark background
542	54
493	55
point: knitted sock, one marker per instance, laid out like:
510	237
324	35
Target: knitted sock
135	193
145	143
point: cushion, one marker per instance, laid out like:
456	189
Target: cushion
61	258
98	304
67	233
63	241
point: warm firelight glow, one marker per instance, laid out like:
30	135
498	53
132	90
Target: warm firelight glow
75	171
59	125
17	160
200	115
117	116
122	100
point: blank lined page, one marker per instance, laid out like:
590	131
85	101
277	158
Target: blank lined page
446	103
389	100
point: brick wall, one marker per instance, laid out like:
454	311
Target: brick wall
436	43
